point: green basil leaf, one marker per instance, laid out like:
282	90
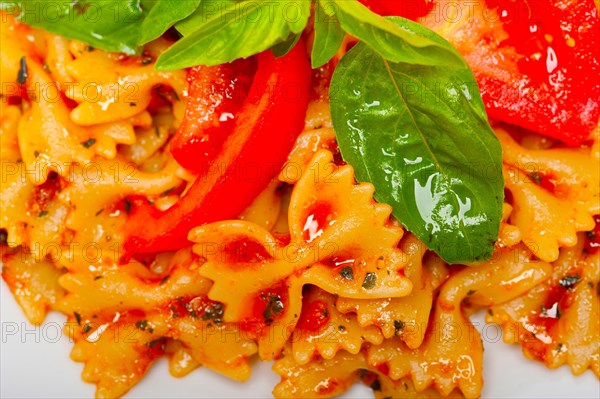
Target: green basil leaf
207	9
397	43
162	15
281	49
420	134
239	31
120	26
329	36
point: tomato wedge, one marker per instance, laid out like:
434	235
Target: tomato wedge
216	94
411	9
265	130
537	62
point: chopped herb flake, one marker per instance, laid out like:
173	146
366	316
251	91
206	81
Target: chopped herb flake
142	324
191	310
369	281
214	313
77	317
398	327
22	74
42	214
274	307
536	177
347	273
569	281
86	329
88	143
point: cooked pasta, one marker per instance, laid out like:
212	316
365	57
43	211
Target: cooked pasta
314	274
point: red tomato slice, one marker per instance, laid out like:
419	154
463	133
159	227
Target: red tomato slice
216	94
537	62
411	9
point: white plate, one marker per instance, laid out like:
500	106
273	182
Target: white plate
35	364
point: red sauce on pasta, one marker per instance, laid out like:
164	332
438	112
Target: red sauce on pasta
244	250
266	307
314	316
318	217
45	193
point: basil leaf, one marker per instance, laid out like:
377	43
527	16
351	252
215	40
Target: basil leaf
329	36
239	31
207	9
281	49
420	134
120	26
162	15
397	43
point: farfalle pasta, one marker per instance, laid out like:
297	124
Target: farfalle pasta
314	275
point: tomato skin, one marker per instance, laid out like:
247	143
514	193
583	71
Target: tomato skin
264	134
537	62
215	96
411	9
314	316
559	93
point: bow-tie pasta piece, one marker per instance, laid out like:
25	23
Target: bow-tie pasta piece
116	352
327	378
558	322
125	87
451	355
100	190
406	317
554	194
305	148
267	276
386	388
31	214
348	231
33	282
164	300
321	378
323	331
